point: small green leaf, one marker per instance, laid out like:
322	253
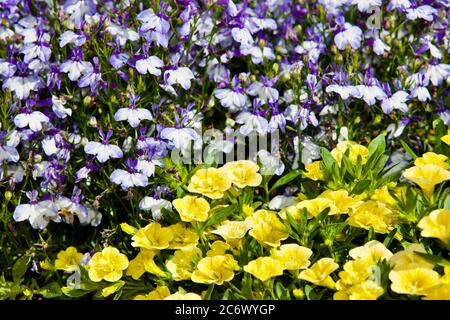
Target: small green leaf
435	259
20	267
408	149
219	216
361	186
51	290
285	179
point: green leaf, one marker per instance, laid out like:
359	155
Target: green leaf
328	160
219	216
433	258
408	149
361	186
377	146
286	179
51	290
208	294
20	267
170	216
447	202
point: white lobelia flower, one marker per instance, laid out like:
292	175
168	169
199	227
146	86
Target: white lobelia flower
179	138
151	65
180	75
258	54
75	68
155	206
351	35
366	5
231	99
243	36
251	122
77	39
399	4
133	115
147	167
31	119
58	107
438	73
270	164
263	90
280	202
21	86
344	91
37	213
15	172
420	93
103	150
371	93
396	101
122	34
129	178
8	153
425	12
379	47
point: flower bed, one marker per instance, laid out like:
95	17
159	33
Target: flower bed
224	150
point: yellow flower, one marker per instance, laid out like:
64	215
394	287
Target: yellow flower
314	171
374	250
183	296
267	228
182	236
427	177
446	138
436	225
355	271
152	236
409	259
107	265
316	206
342	201
232	230
243	173
264	268
247	210
319	273
183	263
293	211
213	270
159	293
366	290
192	208
218	248
432	158
211	183
413	281
355	151
68	259
373	214
144	262
440	292
293	256
382	194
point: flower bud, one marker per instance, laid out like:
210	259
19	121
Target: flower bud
298	294
8	196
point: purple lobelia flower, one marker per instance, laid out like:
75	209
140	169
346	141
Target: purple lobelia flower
92	78
103	151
